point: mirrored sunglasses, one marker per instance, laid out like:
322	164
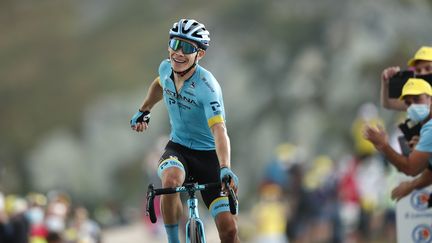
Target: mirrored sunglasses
186	47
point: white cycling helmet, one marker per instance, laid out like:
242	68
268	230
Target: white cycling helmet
192	30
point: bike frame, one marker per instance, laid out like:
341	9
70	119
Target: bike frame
192	204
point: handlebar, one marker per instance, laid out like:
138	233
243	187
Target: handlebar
188	187
232	197
150	203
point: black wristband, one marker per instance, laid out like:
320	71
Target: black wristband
145	117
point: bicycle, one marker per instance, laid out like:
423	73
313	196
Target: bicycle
194	225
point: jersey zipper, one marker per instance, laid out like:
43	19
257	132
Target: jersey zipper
177	100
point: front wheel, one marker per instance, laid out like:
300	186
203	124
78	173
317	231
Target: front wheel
195	232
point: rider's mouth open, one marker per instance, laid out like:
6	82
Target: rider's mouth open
178	61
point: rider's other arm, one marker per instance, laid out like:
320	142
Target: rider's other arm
222	142
223	151
154	95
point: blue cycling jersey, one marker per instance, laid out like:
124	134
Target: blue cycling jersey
192	110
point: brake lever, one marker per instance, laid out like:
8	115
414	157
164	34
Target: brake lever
150	203
232	197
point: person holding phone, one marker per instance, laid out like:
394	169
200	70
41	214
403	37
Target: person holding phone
420	64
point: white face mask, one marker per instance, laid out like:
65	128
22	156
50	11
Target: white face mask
55	223
35	215
418	112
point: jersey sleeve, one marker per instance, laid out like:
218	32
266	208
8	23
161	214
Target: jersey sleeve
164	71
425	140
157	79
212	101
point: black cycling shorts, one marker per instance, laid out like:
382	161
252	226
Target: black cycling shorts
201	166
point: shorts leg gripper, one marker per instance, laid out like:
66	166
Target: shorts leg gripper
168	163
219	205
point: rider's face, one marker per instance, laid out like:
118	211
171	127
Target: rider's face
423	67
181	61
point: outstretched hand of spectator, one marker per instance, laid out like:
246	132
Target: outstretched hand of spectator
402	190
376	135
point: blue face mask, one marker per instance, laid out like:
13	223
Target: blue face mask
418	112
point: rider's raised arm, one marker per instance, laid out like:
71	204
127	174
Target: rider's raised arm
154	95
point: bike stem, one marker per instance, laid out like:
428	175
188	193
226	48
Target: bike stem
192	203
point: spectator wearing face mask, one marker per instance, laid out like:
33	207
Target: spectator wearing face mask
420	64
416	94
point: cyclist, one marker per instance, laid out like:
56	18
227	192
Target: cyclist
421	64
199	146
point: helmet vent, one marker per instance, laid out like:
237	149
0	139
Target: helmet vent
183	29
197	33
192	30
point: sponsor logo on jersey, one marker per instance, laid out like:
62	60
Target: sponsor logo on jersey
189	93
215	107
179	97
222	205
208	84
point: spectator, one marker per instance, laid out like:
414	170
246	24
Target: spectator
57	211
366	114
18	223
276	171
269	215
320	185
35	214
421	64
416	94
54	237
84	227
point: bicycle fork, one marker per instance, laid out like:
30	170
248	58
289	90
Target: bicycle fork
194	222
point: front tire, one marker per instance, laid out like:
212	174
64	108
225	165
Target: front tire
195	232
